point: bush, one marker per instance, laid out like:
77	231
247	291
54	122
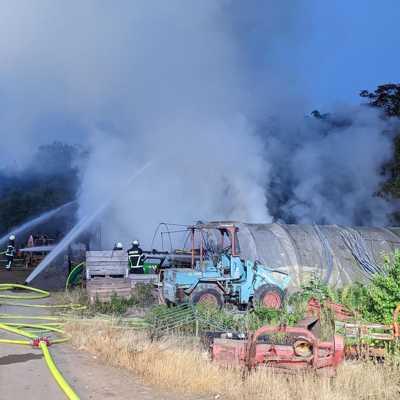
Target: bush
355	298
117	305
383	292
373	302
314	288
143	295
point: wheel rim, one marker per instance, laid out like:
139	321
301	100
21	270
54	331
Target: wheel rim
208	298
272	300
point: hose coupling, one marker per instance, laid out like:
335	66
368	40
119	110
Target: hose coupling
36	342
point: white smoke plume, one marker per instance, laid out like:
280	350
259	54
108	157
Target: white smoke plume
329	170
183	84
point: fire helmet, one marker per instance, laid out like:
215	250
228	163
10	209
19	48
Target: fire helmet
135	243
12	237
119	245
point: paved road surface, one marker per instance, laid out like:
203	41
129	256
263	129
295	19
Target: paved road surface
24	374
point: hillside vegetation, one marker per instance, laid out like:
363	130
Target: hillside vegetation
50	180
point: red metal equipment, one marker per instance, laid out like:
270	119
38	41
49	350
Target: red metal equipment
339	310
303	351
396	330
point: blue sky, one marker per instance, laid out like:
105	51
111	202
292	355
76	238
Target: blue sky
352	45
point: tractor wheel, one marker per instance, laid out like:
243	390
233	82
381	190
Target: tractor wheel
269	296
208	296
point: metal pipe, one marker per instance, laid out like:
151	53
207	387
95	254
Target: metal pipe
192	229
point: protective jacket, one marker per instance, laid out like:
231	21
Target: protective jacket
135	261
135	250
10	252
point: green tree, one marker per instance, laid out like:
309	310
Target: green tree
387	98
384	292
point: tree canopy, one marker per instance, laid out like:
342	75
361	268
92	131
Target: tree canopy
387	98
49	181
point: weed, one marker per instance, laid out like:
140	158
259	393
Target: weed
117	306
143	295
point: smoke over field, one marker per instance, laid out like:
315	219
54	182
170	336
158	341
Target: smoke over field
207	90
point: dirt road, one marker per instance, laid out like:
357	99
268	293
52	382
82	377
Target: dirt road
24	374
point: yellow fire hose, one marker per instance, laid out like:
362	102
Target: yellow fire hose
31	330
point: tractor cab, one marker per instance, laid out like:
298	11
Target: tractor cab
214	242
200	246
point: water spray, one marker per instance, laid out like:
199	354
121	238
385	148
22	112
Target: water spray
35	221
80	227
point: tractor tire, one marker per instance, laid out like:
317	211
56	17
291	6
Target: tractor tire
208	296
269	296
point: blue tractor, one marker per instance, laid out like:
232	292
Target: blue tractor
217	274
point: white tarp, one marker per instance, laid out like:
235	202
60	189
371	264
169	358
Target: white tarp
337	254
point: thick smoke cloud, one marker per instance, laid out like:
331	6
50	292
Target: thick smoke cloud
184	84
328	170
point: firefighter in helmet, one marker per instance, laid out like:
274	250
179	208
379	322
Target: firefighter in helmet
135	258
118	246
10	252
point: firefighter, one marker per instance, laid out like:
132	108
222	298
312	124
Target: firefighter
118	246
135	259
10	252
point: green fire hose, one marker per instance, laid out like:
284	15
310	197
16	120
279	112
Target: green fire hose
30	331
74	274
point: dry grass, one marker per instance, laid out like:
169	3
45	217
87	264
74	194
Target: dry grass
179	365
76	296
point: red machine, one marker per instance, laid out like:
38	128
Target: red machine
301	350
339	310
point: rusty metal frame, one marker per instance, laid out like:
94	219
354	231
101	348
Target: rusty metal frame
230	228
324	355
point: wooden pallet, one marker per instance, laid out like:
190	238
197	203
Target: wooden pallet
106	264
143	279
363	331
103	289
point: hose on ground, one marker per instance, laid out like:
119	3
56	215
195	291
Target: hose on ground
33	332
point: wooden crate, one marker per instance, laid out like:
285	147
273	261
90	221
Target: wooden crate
103	289
143	279
106	264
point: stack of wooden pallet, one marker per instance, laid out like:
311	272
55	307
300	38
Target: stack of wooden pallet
103	289
106	274
106	264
